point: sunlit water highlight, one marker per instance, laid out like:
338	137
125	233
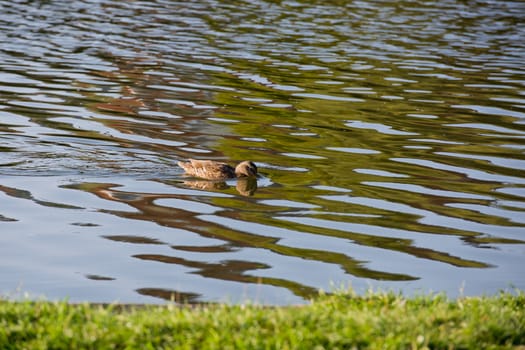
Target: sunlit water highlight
390	137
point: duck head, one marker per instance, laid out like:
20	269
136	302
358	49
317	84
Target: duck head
246	168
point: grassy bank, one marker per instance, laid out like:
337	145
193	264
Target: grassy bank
341	321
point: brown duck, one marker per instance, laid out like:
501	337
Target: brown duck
212	170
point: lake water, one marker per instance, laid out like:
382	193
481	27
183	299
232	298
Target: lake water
390	138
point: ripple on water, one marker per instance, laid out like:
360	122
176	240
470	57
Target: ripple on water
386	158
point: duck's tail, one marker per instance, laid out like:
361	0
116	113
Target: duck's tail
184	165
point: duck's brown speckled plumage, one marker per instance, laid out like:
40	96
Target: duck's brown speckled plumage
212	170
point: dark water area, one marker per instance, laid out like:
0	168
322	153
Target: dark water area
389	136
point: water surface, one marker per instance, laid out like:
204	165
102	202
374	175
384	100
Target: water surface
390	137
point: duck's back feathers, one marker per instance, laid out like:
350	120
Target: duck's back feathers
208	169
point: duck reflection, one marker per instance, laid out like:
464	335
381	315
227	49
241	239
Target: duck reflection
245	186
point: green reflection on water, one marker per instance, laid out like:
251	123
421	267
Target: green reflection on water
376	125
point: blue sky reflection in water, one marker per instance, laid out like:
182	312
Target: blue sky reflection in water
390	136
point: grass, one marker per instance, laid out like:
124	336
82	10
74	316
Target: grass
339	321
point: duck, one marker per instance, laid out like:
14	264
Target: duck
213	170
